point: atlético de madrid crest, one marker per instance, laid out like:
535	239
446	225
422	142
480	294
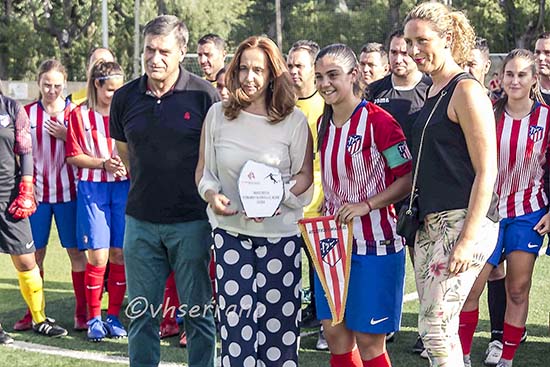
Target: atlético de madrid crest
4	120
536	133
354	143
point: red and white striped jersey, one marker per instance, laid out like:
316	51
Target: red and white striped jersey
354	169
89	134
55	180
522	162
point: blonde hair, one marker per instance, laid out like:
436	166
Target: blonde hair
47	66
280	97
444	20
101	71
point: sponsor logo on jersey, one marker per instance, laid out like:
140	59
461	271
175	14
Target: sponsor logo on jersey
354	144
381	100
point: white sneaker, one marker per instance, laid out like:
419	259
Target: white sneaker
424	354
321	341
504	363
493	353
467	360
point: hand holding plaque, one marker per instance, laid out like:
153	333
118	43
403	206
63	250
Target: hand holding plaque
261	189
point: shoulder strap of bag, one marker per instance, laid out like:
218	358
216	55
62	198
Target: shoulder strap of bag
415	176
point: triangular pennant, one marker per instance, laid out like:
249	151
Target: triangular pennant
330	244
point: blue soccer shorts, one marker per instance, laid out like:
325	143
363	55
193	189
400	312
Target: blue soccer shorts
65	221
375	294
100	214
517	234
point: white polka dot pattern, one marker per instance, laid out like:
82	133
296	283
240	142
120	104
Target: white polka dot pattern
259	285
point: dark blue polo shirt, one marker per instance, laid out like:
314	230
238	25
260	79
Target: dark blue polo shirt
163	137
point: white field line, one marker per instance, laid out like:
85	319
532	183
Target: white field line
99	357
91	356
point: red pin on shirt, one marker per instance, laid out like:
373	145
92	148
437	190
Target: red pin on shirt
187	116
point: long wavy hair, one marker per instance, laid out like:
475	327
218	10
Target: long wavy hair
534	92
280	97
446	21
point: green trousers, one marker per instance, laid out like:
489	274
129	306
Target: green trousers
151	251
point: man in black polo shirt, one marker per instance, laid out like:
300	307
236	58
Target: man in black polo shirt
156	121
403	91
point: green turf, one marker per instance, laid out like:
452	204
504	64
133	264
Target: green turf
59	300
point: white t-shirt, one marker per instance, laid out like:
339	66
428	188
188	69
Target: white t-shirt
229	144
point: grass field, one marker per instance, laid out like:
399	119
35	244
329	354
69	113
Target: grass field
534	353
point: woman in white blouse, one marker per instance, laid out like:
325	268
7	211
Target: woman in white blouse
258	259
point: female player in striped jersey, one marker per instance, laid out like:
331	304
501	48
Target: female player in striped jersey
55	182
101	198
365	166
523	136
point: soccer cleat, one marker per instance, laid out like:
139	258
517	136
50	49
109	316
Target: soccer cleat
390	337
504	363
25	323
168	328
96	330
48	327
183	340
424	354
5	338
321	341
418	346
115	328
467	360
493	353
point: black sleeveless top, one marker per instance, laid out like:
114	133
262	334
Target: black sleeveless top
446	173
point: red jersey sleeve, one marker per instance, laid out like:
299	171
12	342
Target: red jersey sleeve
73	145
387	134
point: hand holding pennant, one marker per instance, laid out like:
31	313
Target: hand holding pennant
330	244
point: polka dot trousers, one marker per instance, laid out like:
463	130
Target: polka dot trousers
258	283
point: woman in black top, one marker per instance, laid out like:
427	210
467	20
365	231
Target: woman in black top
456	175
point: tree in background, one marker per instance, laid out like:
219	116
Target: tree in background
33	30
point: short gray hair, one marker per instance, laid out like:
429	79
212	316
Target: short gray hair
163	25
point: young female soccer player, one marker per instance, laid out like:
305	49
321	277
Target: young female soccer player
365	166
101	198
55	182
523	126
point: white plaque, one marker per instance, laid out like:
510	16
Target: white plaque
261	189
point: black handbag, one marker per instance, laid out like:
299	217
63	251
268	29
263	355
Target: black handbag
408	220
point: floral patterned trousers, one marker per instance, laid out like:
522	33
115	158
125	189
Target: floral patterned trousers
442	295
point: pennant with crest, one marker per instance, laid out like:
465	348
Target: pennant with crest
330	245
